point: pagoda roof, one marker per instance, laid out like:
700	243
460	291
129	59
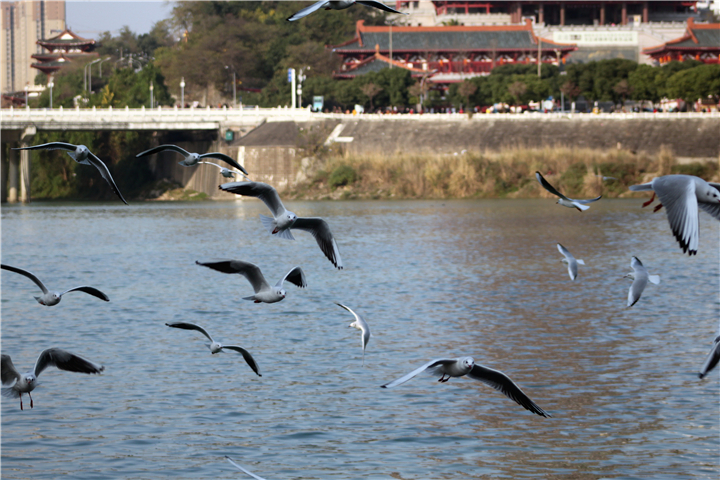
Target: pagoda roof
51	56
698	36
452	38
376	63
64	38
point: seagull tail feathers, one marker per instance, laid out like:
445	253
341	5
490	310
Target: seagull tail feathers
641	187
268	223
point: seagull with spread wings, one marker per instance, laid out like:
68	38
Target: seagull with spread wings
458	367
572	263
15	384
682	195
192	159
562	199
361	325
340	5
49	298
81	154
640	278
263	291
284	220
216	347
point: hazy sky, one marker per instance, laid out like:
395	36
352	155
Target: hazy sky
92	17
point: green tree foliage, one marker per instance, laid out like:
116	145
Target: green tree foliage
695	83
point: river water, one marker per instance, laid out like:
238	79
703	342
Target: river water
433	279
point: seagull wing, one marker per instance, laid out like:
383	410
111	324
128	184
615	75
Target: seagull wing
246	269
417	371
211	163
565	252
380	5
591	200
502	383
324	237
8	372
89	290
710	362
263	191
51	146
27	274
55	357
246	355
226	159
295	276
241	468
677	194
547	186
163	148
191	326
636	289
307	10
97	163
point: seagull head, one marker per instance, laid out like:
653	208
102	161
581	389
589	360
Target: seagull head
468	363
281	292
30	379
291	217
712	196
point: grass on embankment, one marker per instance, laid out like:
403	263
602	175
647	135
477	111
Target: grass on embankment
510	173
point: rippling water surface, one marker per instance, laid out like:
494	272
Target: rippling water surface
433	279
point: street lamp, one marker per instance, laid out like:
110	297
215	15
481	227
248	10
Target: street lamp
88	78
51	85
100	65
301	78
26	96
234	95
151	95
182	92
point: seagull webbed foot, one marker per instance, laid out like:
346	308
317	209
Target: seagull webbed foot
657	208
649	201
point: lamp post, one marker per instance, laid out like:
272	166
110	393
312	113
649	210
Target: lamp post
26	96
151	95
301	78
234	83
100	65
51	85
182	92
88	75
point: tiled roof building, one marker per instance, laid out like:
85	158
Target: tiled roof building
700	42
62	48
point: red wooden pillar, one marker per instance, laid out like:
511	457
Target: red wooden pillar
624	14
562	13
541	14
602	14
646	12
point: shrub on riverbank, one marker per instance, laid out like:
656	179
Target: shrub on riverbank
510	173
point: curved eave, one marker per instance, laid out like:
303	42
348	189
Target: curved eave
464	50
659	51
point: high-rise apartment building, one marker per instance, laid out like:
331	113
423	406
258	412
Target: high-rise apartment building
24	22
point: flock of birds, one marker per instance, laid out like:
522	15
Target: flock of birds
681	195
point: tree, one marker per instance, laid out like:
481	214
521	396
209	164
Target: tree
370	90
570	90
517	89
643	83
623	89
466	89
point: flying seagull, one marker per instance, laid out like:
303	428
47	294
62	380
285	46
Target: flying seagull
640	279
225	172
339	5
263	291
712	358
682	195
216	347
192	158
49	298
14	384
562	199
80	154
361	325
283	220
571	262
241	468
457	367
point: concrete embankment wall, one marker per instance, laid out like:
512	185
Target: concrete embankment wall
274	151
687	137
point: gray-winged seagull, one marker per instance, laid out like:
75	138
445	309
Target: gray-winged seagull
339	5
458	367
640	278
192	158
53	298
572	263
712	359
562	199
361	325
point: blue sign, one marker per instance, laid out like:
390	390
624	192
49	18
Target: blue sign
291	72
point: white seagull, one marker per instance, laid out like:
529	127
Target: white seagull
562	199
339	5
14	384
640	279
216	347
361	325
53	298
263	291
192	158
283	220
712	359
571	262
458	367
81	154
682	195
241	468
225	172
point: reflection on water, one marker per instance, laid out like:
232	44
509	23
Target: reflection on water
433	279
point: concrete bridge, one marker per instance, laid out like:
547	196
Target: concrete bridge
271	150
